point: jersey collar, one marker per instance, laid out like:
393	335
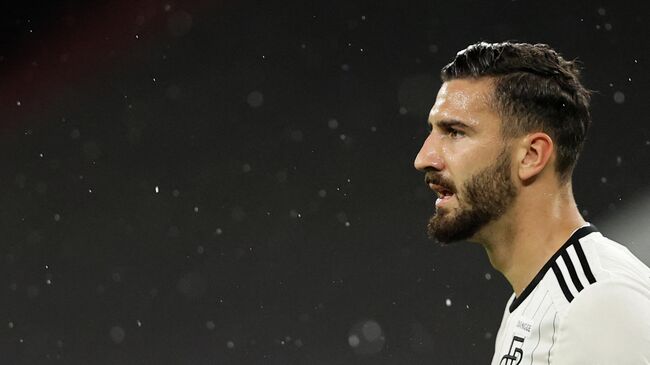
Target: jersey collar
575	237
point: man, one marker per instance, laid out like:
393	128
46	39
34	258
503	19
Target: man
506	129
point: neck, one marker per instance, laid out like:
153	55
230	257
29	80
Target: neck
524	239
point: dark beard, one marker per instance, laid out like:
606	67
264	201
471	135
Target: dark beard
486	197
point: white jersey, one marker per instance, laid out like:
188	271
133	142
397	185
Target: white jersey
589	305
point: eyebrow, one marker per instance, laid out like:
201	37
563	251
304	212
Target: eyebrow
447	123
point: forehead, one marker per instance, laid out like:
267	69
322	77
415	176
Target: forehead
467	100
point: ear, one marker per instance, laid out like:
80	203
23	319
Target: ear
536	151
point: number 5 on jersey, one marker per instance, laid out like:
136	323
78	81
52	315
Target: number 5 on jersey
515	354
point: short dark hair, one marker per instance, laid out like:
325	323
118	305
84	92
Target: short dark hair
535	89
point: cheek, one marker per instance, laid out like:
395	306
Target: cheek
461	158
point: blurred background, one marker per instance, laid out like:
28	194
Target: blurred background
231	182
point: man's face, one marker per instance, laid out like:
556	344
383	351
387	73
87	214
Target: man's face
466	161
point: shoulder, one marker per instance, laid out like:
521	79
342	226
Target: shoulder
609	322
599	264
605	316
616	297
614	259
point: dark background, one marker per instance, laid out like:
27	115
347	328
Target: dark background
231	182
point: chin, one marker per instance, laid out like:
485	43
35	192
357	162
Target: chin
446	227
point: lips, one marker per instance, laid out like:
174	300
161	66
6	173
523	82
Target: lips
444	194
440	190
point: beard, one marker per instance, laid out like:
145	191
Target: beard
486	196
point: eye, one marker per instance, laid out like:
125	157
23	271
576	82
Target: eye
454	133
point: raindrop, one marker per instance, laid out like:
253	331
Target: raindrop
210	325
371	331
230	344
117	334
255	99
448	302
354	340
333	124
619	97
366	337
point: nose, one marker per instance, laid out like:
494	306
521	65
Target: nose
429	156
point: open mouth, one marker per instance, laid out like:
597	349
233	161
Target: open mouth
444	194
